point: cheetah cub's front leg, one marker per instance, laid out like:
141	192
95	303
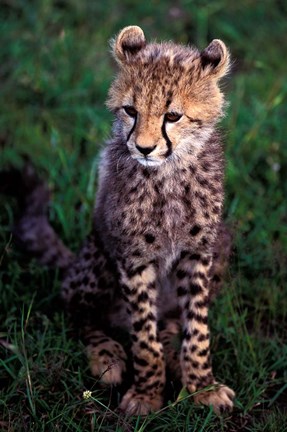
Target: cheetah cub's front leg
192	277
139	292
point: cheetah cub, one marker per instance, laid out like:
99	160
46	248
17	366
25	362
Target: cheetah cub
158	246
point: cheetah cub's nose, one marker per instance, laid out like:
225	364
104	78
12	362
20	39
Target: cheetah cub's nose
145	150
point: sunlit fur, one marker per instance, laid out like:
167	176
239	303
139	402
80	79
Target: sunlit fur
163	78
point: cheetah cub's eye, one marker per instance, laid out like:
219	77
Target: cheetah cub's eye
131	111
172	117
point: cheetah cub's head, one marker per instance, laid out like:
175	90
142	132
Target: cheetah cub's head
166	97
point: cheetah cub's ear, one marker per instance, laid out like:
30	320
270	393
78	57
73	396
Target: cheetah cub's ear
128	43
215	60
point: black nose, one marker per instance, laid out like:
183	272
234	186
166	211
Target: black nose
145	150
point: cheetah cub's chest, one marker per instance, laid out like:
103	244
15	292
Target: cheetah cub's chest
165	213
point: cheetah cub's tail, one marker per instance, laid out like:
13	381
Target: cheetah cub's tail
32	230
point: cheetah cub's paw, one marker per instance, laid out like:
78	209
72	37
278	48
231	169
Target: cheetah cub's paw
107	361
220	398
134	403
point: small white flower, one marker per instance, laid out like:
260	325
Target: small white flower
87	394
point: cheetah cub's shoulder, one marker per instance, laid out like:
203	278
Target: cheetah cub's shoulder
158	245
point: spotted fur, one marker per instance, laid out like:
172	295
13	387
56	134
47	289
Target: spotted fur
158	247
158	240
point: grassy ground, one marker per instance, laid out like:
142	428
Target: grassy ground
55	71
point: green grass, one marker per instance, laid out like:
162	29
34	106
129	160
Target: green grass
55	71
